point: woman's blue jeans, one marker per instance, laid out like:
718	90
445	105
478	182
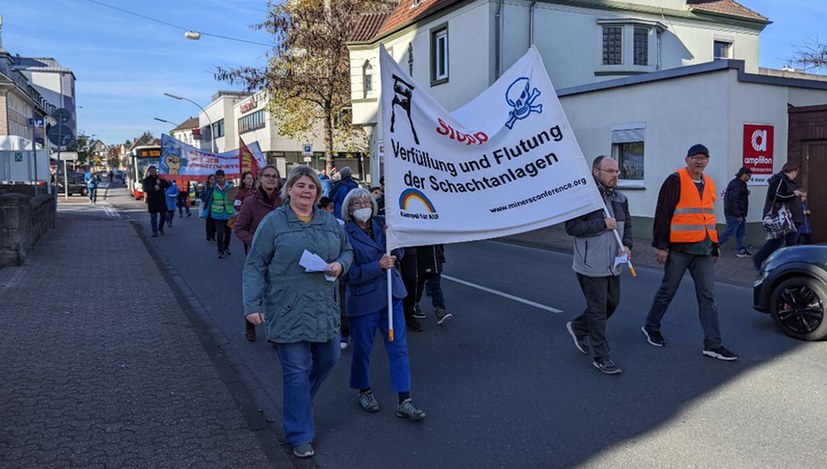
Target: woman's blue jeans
304	366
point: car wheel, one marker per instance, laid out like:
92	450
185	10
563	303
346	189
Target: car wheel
797	306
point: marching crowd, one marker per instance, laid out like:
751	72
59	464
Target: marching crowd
311	317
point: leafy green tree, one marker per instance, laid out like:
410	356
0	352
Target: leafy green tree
307	78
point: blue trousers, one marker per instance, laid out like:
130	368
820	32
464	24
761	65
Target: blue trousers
153	220
304	366
362	332
737	228
93	194
701	270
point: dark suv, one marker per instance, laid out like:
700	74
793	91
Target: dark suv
792	288
76	184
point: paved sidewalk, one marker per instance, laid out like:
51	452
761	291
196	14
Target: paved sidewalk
729	268
102	367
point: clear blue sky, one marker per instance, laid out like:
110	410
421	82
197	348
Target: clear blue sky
124	64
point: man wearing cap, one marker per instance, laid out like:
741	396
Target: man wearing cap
736	204
684	238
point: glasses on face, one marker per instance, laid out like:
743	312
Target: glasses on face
269	176
698	157
362	203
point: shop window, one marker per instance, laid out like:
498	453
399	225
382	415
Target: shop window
628	145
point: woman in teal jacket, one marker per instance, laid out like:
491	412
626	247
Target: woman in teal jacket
300	310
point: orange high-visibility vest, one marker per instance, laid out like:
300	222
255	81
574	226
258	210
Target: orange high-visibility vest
694	216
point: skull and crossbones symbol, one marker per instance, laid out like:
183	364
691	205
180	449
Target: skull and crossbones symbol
520	96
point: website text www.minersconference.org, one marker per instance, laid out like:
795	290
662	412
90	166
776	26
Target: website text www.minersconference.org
540	196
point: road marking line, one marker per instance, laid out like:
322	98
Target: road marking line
504	295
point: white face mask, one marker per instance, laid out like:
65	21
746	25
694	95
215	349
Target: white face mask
363	214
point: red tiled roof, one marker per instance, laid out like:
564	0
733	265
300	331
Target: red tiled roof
405	13
368	26
725	7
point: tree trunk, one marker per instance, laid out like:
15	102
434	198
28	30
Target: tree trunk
328	141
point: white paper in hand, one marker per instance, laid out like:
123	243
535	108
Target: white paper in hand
313	263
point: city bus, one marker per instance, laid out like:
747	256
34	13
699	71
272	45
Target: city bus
140	158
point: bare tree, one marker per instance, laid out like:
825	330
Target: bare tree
307	78
812	55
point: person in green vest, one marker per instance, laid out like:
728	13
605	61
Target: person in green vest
221	210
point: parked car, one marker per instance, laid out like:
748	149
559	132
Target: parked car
76	184
792	288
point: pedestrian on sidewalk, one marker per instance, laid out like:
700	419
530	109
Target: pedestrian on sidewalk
684	238
91	185
595	251
221	210
299	308
263	201
367	304
154	188
805	232
183	202
736	206
206	201
171	199
430	261
782	191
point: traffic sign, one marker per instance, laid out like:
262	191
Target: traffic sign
307	159
308	149
60	135
37	122
62	115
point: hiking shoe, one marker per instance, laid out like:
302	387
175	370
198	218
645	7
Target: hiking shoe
221	255
743	253
721	353
368	402
154	234
653	337
581	343
418	314
304	450
227	252
607	367
442	315
407	410
413	324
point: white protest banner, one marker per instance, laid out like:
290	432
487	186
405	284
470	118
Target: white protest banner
186	162
505	163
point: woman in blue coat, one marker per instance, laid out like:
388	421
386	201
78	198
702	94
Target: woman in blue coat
367	304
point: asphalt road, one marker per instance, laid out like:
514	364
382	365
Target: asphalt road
503	385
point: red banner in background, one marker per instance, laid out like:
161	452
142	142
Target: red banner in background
246	160
758	149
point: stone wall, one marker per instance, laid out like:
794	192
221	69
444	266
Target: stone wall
23	219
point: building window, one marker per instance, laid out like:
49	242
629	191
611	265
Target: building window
612	45
628	150
343	118
218	129
641	46
367	77
722	50
252	121
439	56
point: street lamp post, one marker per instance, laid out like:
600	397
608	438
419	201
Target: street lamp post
212	130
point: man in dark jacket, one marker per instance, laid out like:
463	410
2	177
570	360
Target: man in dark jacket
154	187
595	254
736	205
341	189
430	260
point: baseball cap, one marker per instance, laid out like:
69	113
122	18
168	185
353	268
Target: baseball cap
697	148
